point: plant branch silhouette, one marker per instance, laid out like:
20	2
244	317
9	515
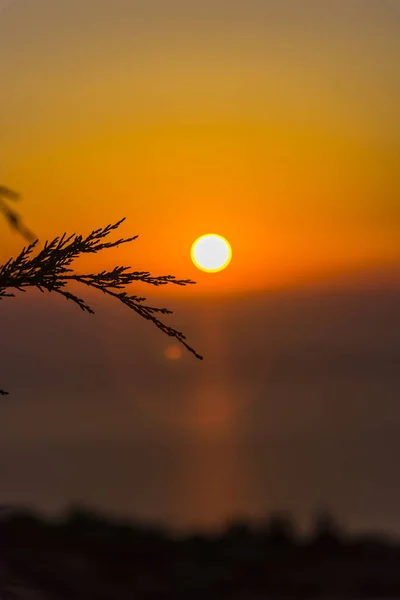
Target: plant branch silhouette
50	270
13	218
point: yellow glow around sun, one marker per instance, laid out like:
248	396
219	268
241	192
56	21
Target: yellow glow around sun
211	253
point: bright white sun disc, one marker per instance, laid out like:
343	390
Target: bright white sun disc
211	253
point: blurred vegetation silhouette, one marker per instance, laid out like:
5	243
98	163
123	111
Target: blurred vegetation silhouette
51	270
11	215
85	555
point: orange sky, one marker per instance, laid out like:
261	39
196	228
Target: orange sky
276	128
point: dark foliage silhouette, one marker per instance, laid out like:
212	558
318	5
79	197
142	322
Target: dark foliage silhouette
326	532
88	556
11	215
280	530
50	270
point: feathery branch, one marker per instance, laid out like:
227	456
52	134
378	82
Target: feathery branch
50	270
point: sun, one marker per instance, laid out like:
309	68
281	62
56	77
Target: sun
211	253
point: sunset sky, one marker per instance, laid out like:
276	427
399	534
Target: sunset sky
274	123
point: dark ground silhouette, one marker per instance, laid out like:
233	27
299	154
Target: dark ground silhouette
84	555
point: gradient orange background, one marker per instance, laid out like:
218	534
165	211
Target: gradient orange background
274	124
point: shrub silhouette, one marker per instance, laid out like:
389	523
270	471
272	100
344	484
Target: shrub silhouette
280	531
86	555
326	534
